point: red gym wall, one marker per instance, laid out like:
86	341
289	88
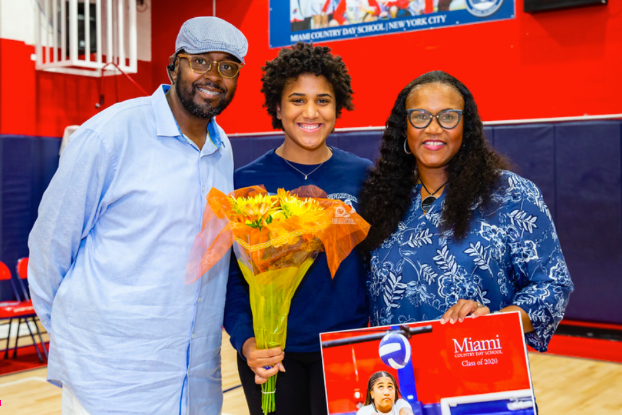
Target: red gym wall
553	64
37	103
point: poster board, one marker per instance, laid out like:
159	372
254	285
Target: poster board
329	20
479	366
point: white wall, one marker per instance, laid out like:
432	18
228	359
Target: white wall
17	20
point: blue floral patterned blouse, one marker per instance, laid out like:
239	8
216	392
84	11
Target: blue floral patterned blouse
510	256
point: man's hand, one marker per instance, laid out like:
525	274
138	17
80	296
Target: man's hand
462	309
259	360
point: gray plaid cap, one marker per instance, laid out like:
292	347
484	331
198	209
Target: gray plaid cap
211	34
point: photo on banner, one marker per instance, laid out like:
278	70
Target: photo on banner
329	20
479	366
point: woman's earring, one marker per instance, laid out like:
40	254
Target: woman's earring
406	149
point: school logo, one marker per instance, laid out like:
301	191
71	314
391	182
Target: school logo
342	217
467	346
483	8
346	198
342	214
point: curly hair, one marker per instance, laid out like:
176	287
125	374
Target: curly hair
473	173
304	58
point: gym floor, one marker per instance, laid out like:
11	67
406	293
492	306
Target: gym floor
563	385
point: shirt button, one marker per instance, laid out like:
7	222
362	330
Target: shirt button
193	335
199	300
204	189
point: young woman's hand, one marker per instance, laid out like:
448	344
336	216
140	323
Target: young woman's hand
264	363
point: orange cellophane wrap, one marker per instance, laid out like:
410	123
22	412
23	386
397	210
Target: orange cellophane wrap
337	226
275	256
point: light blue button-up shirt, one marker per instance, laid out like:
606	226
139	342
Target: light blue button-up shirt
108	256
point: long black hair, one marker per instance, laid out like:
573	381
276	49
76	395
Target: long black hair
373	379
473	172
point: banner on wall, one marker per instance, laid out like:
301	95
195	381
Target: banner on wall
328	20
479	366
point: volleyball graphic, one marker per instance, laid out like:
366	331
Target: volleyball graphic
395	350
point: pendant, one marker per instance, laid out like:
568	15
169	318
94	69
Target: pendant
306	177
427	203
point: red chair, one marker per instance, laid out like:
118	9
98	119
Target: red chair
20	310
22	273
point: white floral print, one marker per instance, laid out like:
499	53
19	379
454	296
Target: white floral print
511	256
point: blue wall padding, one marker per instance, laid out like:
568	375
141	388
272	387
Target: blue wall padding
578	167
589	216
489	132
27	165
531	149
247	149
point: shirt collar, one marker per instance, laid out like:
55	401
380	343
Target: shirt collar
167	125
165	121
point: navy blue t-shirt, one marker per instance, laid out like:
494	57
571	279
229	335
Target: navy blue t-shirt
320	304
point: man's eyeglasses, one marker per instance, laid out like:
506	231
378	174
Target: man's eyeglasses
447	119
201	65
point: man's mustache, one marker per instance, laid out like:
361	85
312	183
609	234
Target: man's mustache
211	85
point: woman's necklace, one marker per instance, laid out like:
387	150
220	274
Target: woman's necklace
312	171
430	199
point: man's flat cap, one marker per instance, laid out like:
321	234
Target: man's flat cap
211	34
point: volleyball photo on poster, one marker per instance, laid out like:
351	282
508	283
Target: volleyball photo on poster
394	350
478	367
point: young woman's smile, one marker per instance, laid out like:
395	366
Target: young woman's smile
308	112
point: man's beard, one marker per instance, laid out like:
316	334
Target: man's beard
203	111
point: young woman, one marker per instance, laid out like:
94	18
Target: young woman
305	90
453	233
382	392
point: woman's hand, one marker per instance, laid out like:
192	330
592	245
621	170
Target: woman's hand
462	309
406	411
259	360
524	317
465	308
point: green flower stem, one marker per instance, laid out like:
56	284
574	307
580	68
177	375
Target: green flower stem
268	399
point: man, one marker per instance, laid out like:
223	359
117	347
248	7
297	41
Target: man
108	252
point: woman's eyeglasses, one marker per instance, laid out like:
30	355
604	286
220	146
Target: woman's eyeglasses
201	65
447	119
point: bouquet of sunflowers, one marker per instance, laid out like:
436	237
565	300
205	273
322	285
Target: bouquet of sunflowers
275	238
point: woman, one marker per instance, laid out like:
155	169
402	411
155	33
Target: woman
453	233
305	90
382	391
